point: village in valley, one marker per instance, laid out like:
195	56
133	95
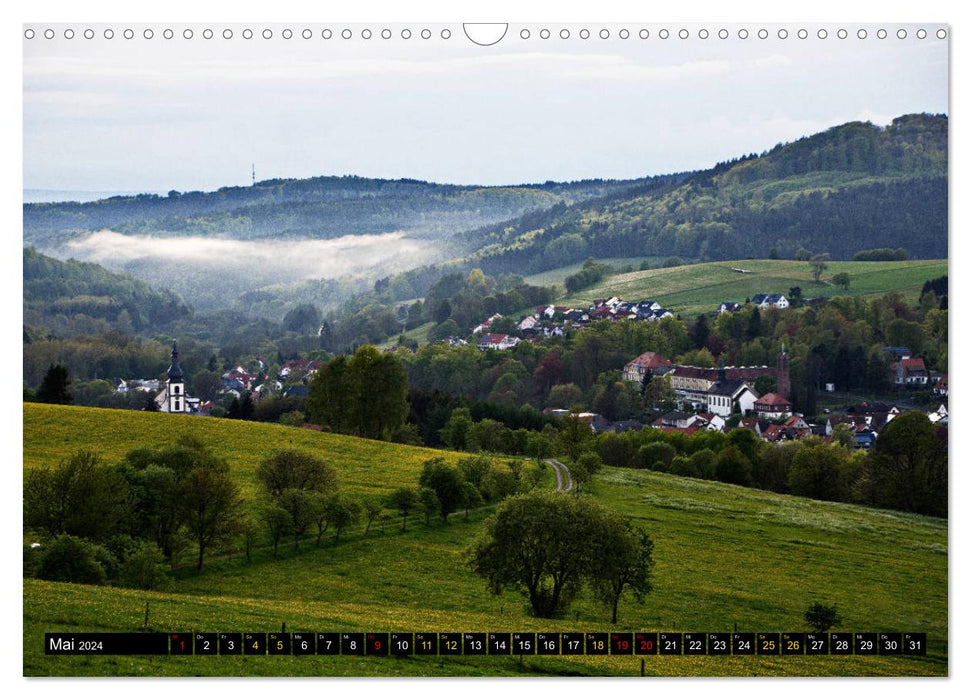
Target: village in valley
692	399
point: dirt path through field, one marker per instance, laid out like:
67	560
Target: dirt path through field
564	482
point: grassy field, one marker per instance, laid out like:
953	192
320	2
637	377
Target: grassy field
556	276
693	289
52	433
726	556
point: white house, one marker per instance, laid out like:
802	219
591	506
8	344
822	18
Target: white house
728	396
528	323
764	301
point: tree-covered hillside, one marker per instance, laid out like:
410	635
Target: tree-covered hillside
851	187
71	298
319	208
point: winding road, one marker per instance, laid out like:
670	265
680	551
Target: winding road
564	482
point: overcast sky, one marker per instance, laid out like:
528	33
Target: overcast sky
157	114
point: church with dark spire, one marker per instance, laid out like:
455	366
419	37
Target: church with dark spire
173	398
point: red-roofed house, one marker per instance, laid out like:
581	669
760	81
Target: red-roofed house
773	406
645	364
910	372
497	341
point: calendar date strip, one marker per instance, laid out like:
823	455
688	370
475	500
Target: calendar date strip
487	643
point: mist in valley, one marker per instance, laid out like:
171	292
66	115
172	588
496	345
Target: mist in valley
212	273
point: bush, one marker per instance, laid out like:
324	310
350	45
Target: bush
654	452
81	496
704	462
74	560
144	568
683	466
733	467
822	617
498	484
292	418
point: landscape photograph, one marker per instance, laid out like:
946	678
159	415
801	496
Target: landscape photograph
521	350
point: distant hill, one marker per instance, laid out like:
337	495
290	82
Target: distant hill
72	298
316	208
852	187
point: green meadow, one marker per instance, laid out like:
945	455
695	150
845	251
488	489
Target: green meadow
690	290
726	558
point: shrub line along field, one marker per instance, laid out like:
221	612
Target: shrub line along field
725	556
690	290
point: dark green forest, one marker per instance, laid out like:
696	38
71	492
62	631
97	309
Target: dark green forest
70	298
853	186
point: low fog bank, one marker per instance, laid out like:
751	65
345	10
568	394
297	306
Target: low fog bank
289	260
213	273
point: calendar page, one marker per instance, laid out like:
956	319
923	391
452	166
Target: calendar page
511	349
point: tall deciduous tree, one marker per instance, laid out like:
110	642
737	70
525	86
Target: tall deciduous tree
622	562
575	434
210	501
364	395
819	264
301	484
446	481
543	545
908	466
380	387
294	469
330	397
405	501
206	384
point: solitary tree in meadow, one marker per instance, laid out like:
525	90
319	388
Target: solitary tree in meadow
819	264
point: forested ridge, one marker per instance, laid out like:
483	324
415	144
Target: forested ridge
71	298
319	207
853	186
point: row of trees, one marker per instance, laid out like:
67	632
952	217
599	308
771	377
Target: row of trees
125	521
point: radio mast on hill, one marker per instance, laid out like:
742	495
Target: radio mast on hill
254	173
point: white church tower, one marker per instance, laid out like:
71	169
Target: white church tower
175	399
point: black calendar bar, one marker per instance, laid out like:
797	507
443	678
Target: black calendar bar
105	643
380	644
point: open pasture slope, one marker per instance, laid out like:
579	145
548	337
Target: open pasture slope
725	556
690	290
52	433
